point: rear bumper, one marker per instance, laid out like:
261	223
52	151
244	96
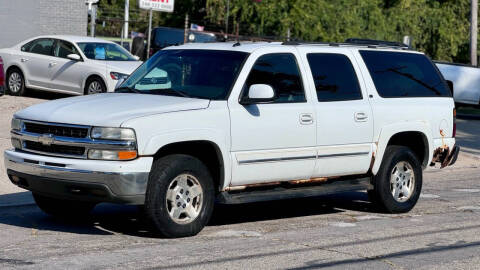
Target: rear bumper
64	178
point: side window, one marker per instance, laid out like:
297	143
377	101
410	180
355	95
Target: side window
40	46
398	74
64	48
334	77
279	70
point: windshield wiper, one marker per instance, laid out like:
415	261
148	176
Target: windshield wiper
171	91
129	89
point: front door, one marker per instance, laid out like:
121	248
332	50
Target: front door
67	74
275	141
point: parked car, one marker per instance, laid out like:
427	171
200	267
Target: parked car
465	80
2	78
66	64
237	123
163	37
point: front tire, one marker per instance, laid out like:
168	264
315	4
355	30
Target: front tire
180	196
398	183
15	82
63	208
95	85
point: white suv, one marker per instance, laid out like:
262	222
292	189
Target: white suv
237	123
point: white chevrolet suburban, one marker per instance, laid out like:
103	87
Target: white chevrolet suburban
200	124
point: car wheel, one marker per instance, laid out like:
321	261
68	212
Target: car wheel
95	86
15	83
398	183
180	196
63	208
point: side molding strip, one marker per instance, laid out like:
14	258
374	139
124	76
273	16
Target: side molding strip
252	161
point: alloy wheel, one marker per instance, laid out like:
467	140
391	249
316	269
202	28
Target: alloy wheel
184	199
402	181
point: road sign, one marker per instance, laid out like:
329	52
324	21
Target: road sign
157	5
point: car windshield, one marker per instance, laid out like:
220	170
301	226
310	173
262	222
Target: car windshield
205	74
105	51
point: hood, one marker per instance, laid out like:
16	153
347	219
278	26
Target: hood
126	67
109	109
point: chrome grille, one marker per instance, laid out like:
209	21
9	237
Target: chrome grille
57	130
54	148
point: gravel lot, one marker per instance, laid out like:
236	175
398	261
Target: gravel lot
341	231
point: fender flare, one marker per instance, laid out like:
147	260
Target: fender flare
388	131
217	138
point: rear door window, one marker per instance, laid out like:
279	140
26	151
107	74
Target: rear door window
399	74
334	77
40	46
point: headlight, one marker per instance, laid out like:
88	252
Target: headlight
124	134
112	155
16	124
117	75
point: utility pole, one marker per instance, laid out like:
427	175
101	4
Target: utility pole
92	8
473	32
226	18
185	32
125	26
149	32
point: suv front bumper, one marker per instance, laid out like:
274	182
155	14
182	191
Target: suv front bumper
77	179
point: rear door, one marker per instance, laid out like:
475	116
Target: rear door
344	117
36	59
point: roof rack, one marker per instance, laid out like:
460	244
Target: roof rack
370	43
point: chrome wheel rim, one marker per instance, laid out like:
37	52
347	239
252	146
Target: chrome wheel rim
14	82
184	199
402	181
95	88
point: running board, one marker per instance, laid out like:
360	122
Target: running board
282	193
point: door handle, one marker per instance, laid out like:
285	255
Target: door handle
361	117
52	64
23	60
306	118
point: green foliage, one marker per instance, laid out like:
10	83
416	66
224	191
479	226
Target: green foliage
439	28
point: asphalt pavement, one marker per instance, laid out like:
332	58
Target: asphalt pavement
342	231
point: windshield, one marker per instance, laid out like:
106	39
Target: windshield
206	74
105	51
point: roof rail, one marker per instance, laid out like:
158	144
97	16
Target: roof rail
370	43
373	42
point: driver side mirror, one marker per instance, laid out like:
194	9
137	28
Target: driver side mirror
259	93
74	57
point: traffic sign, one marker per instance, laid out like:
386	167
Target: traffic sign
157	5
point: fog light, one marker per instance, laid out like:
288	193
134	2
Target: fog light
112	155
16	143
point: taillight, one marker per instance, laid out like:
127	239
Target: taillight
454	132
2	74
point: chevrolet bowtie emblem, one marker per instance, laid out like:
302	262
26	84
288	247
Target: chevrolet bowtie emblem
46	139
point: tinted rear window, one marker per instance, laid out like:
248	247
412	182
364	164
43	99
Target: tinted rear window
398	74
334	77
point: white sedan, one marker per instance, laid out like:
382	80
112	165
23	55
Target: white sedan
66	64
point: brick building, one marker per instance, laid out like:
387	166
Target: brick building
22	19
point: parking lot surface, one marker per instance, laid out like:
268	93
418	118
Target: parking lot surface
340	231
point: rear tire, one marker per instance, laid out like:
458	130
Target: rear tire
398	183
180	196
63	208
15	82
